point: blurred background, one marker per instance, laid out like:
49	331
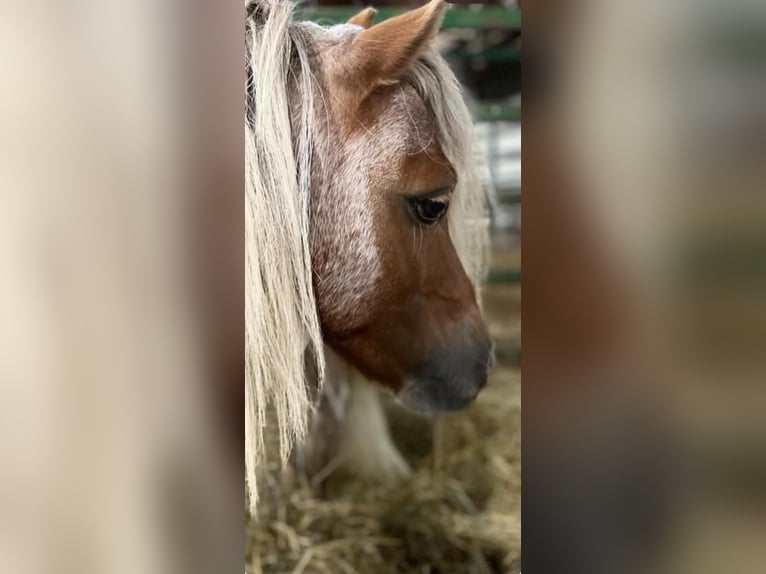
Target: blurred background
644	299
461	510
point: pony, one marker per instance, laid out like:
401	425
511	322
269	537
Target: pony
366	227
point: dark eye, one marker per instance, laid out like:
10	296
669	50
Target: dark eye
429	210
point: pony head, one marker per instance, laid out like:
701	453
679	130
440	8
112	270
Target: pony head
366	216
393	171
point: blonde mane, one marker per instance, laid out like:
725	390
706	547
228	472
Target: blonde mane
281	321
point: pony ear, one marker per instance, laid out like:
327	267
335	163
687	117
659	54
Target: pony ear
364	18
381	53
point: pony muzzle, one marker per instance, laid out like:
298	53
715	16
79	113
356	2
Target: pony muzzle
449	380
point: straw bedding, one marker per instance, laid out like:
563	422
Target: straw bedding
459	514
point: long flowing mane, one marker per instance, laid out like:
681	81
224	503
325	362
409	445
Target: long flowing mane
281	323
281	319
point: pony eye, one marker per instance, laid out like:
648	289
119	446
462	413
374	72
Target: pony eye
429	210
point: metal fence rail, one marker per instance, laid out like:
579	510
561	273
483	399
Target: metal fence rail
484	17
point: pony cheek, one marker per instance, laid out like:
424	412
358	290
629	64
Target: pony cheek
386	348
